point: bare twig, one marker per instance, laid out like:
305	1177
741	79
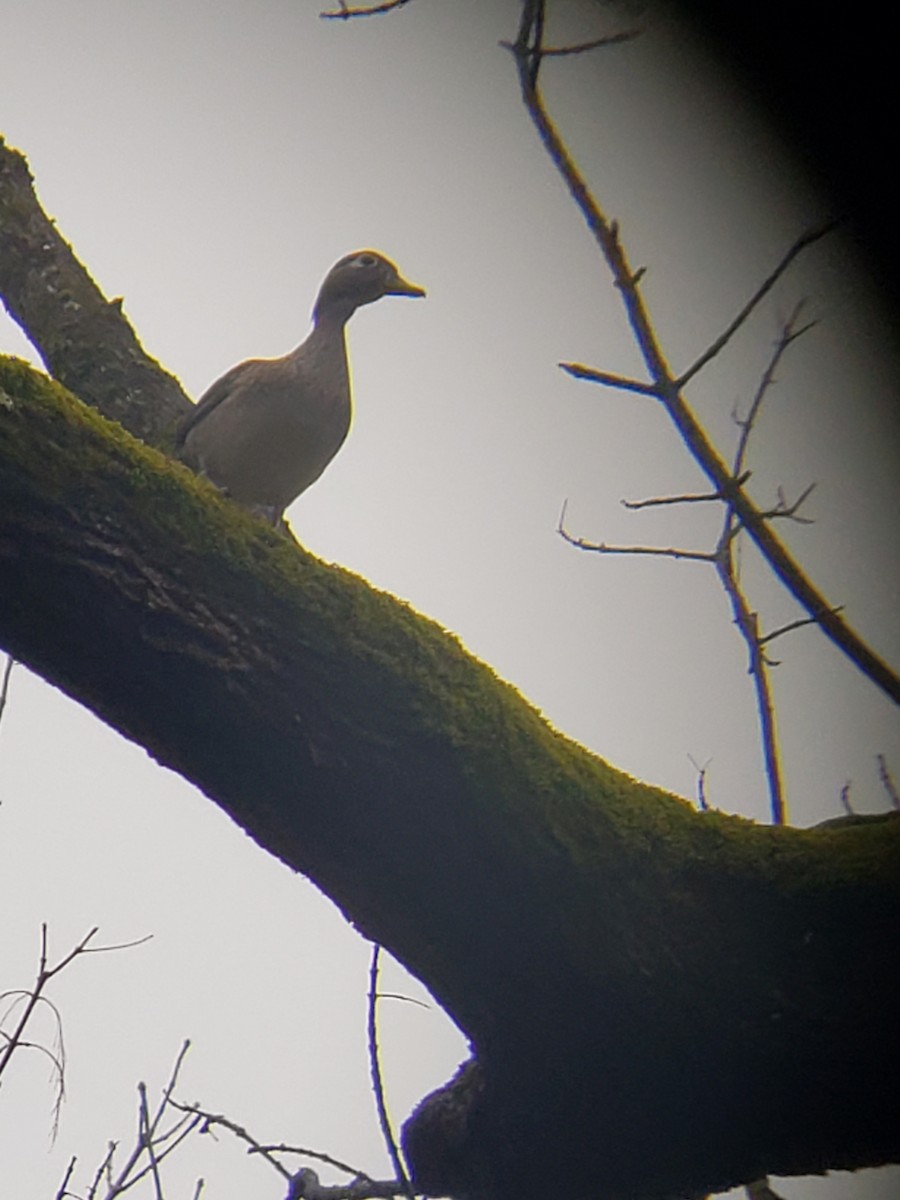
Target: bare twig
4	682
789	628
747	622
63	1191
209	1119
887	781
35	996
689	498
789	334
318	1155
149	1139
701	782
846	805
664	383
145	1138
805	240
346	13
377	1082
610	39
622	382
104	1169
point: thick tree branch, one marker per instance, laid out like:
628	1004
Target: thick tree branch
582	929
84	339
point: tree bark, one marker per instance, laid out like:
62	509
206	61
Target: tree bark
662	1001
84	339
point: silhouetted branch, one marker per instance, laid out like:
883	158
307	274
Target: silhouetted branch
377	1083
209	1119
62	1191
611	39
806	239
789	628
789	334
151	1139
318	1155
701	782
33	998
887	781
4	682
526	51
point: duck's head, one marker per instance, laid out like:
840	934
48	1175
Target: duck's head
360	278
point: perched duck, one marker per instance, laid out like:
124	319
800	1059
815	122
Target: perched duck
270	426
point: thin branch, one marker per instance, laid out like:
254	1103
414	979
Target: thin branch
789	628
748	625
805	240
346	13
887	781
377	1082
622	382
611	39
209	1119
689	498
105	1168
4	682
789	334
147	1135
146	1138
701	782
63	1191
651	551
318	1155
665	385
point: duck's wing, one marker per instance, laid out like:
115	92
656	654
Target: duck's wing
214	395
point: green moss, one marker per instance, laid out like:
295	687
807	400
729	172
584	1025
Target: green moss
416	679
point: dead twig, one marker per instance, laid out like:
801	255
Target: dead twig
151	1140
346	13
208	1119
887	781
689	498
4	682
377	1081
33	998
701	782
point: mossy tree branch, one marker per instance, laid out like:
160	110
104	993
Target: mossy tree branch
620	962
84	339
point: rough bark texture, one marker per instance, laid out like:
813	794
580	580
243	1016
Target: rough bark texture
662	1002
83	338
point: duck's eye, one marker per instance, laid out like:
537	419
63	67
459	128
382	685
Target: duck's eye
365	260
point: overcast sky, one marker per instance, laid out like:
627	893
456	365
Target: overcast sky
209	162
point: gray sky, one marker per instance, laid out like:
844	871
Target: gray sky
209	163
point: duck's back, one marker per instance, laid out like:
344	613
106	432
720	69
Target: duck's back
269	427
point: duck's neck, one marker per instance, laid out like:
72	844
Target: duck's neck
333	314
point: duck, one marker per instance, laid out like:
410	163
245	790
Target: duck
267	429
